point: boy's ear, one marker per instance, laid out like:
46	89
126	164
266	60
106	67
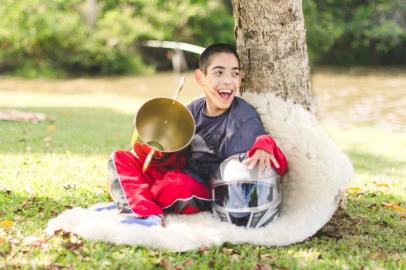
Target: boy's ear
199	76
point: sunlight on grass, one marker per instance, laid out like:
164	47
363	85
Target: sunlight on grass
378	156
55	175
306	256
38	100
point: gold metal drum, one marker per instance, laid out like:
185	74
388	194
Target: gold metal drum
165	125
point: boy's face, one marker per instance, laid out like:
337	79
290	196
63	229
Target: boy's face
220	83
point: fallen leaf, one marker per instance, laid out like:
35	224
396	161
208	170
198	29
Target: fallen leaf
73	246
58	232
166	264
282	268
378	255
203	249
354	190
18	218
261	266
54	213
382	184
36	242
230	251
266	256
6	224
398	209
74	242
212	262
69	186
57	266
189	262
62	234
26	204
6	191
235	257
372	206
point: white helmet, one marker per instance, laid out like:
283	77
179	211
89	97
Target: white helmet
241	197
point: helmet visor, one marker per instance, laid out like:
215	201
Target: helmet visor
241	195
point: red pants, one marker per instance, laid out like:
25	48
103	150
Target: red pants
158	190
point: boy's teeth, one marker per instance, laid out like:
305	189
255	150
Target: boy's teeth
225	94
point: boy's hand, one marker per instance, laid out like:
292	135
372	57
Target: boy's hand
264	158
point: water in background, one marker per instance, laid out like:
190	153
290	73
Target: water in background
373	97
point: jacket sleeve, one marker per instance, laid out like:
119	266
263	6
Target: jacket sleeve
267	143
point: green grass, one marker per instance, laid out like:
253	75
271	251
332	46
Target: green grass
48	167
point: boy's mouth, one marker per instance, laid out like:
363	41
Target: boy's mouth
225	94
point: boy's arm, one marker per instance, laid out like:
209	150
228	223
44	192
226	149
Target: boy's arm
175	160
267	143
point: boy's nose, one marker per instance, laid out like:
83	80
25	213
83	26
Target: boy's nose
228	79
227	84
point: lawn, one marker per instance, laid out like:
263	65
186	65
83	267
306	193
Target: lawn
47	167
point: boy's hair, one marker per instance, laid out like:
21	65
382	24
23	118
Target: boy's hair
204	60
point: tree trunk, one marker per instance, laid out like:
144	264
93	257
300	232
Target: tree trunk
271	43
91	12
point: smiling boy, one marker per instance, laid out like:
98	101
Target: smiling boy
225	125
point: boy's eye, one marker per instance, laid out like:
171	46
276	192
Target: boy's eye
218	72
236	74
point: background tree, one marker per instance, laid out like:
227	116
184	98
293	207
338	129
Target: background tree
76	37
271	41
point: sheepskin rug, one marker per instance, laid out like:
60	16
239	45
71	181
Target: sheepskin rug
318	173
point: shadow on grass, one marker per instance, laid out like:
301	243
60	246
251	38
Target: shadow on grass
372	164
75	130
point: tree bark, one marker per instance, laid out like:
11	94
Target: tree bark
271	43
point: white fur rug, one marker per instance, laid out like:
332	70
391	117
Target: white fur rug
317	174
